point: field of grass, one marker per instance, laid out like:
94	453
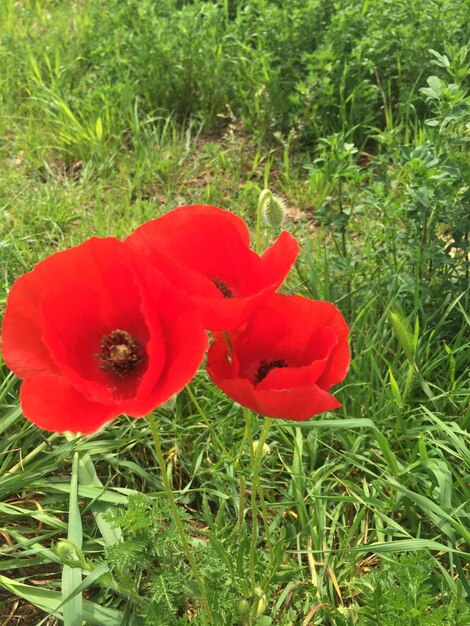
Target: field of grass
357	115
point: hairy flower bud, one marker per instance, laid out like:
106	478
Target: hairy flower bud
69	554
244	607
259	593
273	208
266	448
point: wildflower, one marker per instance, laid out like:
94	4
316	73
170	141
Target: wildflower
94	332
285	360
204	251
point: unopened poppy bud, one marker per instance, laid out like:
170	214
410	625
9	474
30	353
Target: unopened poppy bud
266	448
349	611
244	607
261	602
69	553
273	208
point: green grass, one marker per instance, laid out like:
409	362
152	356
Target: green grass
112	113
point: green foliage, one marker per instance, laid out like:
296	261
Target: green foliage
149	569
406	592
303	70
148	555
419	192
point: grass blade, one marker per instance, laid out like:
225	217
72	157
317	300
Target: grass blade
72	576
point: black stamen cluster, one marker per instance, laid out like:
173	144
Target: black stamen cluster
266	366
121	353
223	287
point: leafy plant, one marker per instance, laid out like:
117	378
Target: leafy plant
149	569
406	592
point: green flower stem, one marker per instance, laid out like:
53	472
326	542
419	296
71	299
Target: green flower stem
247	436
256	462
264	514
241	506
262	198
241	496
176	516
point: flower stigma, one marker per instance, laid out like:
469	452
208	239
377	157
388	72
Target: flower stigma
121	353
266	366
223	287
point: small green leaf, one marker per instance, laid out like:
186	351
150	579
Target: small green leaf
435	84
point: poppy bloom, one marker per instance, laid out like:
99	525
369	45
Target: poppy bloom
285	360
204	251
94	332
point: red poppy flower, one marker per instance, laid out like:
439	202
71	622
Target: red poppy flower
285	360
204	251
94	332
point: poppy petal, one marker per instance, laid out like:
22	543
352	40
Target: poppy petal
307	320
338	363
185	344
23	349
222	315
76	319
297	403
22	344
277	257
289	377
204	251
52	403
72	332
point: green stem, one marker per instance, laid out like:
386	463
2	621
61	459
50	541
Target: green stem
264	515
176	516
262	197
256	462
42	446
247	436
241	506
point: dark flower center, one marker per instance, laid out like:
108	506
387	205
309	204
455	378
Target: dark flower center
121	353
223	287
266	366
